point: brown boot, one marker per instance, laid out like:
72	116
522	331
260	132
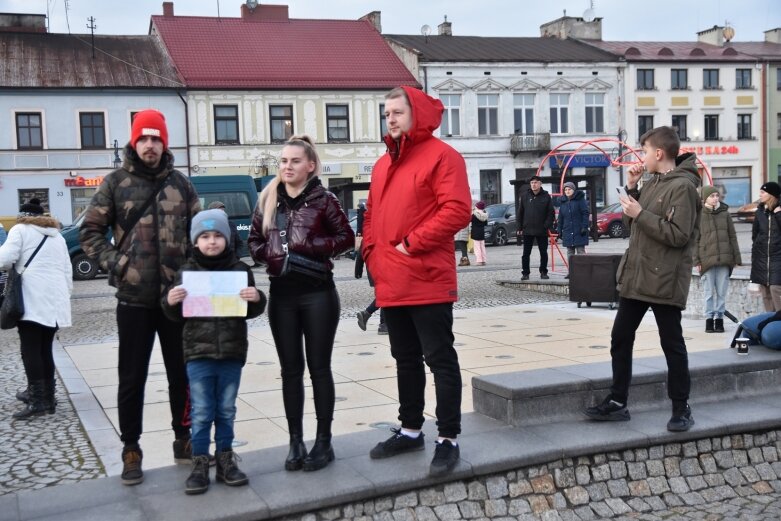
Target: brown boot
464	261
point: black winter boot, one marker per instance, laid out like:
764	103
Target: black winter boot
295	458
198	481
321	455
228	470
709	326
718	325
24	394
36	406
48	395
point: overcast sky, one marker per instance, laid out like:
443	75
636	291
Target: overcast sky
669	20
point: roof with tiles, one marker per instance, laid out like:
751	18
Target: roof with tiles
445	48
239	53
45	60
672	51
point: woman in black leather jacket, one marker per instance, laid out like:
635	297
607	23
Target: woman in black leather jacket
766	246
303	311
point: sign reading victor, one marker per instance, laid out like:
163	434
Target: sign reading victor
580	161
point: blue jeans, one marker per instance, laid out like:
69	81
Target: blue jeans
715	283
770	334
214	385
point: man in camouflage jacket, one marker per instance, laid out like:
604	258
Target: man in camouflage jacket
141	268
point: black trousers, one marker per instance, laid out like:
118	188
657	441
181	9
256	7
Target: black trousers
137	327
462	247
418	335
668	320
528	244
36	346
306	323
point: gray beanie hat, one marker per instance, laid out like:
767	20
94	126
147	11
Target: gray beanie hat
569	184
210	221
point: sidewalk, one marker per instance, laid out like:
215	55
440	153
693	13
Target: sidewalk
488	341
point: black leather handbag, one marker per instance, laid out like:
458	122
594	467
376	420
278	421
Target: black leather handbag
12	308
296	264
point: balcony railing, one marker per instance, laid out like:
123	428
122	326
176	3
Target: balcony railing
520	143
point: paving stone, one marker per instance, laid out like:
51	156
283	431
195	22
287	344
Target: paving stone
734	477
637	470
577	495
557	501
639	488
656	503
750	473
602	510
431	497
765	471
538	504
672	467
655	467
658	485
564	478
497	487
470	509
740	457
409	499
550	515
638	505
518	507
724	459
696	482
672	500
714	480
617	505
382	504
690	467
617	469
543	484
424	513
455	492
600	472
672	449
448	511
582	475
690	449
693	498
495	507
755	455
585	514
598	491
762	487
406	514
476	491
708	463
520	488
618	487
770	454
678	485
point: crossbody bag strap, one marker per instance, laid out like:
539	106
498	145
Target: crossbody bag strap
40	244
126	231
281	220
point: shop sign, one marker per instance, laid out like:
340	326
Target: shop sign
82	181
580	161
713	151
331	168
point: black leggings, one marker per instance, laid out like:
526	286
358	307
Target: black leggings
36	341
299	323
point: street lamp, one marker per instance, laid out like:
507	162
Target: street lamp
117	159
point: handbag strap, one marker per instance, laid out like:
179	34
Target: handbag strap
140	213
281	220
34	254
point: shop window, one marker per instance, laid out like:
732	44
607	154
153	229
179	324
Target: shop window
25	194
490	186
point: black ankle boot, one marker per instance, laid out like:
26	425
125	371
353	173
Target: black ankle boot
49	400
23	395
321	455
718	325
36	406
297	454
709	325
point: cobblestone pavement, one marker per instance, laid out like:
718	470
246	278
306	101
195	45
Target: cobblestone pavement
750	508
47	450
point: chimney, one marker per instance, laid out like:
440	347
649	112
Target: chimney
572	27
264	13
168	8
713	36
445	28
374	18
773	35
22	23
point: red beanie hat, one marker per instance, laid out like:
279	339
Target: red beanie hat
149	123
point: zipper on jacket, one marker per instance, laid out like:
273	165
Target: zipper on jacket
769	225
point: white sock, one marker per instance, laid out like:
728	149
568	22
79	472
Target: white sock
441	439
412	434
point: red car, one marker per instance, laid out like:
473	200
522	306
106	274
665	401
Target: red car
610	221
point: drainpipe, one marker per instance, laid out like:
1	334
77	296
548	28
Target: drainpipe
765	139
186	131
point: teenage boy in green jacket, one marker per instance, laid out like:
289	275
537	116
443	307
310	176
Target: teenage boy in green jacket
656	271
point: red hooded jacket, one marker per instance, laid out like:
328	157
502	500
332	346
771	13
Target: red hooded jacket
420	195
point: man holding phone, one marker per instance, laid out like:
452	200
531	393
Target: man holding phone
655	271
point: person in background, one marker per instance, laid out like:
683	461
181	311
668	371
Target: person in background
148	205
234	241
418	199
716	254
766	246
535	219
573	221
3	234
477	232
461	239
296	213
47	285
215	350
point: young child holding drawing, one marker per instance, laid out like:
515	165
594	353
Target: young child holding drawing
214	342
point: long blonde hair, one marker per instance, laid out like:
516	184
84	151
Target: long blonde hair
268	200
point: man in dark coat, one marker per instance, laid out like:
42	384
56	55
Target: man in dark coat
535	218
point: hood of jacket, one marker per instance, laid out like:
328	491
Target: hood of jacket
578	195
685	167
722	207
426	118
480	214
45	224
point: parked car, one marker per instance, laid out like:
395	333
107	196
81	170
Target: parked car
610	221
747	212
501	226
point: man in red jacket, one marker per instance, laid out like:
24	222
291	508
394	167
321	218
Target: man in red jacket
419	198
